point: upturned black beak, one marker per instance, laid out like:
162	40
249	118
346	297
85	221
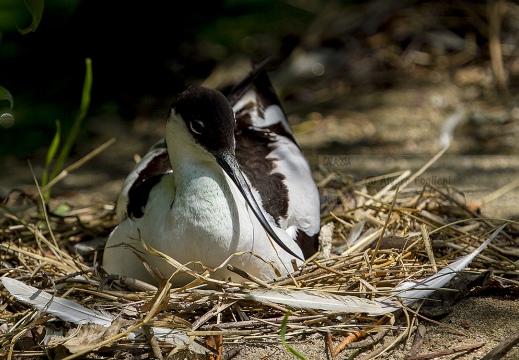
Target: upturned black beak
229	164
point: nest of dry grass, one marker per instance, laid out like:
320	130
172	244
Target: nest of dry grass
371	241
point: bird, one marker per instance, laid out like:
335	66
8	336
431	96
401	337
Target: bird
228	180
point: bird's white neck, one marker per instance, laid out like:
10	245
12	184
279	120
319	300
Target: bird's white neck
188	159
201	190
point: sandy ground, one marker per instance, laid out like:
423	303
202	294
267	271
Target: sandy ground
481	320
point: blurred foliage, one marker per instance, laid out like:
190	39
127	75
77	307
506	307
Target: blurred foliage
33	118
35	7
25	16
6	95
254	27
139	49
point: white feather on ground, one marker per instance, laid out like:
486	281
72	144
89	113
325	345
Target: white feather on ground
411	291
73	312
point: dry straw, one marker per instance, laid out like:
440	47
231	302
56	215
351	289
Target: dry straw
379	241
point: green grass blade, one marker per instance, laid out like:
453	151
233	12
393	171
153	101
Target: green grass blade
74	131
87	89
51	153
282	333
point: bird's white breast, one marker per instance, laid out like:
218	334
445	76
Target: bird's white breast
204	219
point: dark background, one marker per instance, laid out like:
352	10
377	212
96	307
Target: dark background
138	49
359	78
150	50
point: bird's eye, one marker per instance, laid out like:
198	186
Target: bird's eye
197	126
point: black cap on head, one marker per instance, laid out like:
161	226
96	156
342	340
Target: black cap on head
208	116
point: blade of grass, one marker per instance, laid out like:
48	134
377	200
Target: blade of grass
282	333
74	131
78	163
51	153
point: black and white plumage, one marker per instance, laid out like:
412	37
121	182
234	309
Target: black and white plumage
230	179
